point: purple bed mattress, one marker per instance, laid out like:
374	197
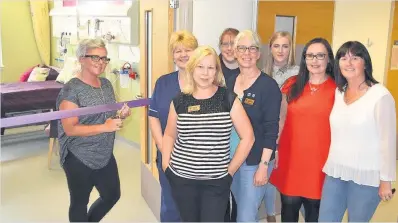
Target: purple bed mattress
25	96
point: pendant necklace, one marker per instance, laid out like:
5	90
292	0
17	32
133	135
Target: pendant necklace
101	99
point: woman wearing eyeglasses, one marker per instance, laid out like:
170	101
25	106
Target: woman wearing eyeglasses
229	65
86	142
307	100
261	99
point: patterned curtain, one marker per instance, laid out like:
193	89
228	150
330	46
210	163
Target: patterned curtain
41	28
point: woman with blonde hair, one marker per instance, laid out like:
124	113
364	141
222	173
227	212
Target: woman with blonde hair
196	152
86	142
182	43
280	65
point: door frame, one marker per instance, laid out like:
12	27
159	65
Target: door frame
162	26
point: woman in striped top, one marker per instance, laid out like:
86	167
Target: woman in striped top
196	153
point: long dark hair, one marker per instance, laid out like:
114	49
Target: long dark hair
303	75
356	49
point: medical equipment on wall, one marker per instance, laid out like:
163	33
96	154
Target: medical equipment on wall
62	43
124	74
118	21
127	69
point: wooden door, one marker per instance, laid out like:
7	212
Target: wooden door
156	25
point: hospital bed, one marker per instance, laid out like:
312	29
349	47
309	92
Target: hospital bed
27	97
20	97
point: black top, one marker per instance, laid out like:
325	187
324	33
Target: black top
201	150
261	102
228	72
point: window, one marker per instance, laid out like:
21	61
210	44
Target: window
285	23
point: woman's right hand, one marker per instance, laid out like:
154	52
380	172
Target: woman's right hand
112	125
165	164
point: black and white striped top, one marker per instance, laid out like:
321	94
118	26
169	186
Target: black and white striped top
202	147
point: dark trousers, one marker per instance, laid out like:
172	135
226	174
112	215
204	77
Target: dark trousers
232	211
291	207
200	200
168	208
81	180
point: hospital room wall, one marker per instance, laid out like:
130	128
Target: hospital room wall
377	32
392	74
18	41
373	31
131	128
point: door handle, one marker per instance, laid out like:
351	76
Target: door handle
139	96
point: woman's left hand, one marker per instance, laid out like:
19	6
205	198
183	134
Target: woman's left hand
260	177
124	112
385	191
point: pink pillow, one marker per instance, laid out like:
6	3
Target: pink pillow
25	75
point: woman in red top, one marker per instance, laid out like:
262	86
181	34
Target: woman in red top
304	141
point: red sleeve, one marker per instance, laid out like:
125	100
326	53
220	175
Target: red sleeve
288	84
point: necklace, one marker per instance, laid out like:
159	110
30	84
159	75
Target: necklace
101	99
314	89
102	93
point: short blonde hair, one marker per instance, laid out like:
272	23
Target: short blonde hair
197	55
250	34
269	60
184	38
88	44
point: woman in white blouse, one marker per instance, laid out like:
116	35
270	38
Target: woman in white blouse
361	164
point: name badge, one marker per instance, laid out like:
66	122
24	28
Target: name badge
249	101
193	108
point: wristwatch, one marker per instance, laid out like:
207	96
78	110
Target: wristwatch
264	162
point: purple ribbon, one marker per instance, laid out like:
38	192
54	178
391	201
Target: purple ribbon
48	116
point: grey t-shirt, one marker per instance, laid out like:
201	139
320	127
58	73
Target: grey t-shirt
94	151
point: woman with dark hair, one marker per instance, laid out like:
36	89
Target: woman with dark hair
305	138
361	163
229	64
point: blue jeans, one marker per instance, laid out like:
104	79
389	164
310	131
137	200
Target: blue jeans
248	197
168	208
338	196
270	193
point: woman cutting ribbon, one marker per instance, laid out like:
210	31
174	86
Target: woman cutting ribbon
86	142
